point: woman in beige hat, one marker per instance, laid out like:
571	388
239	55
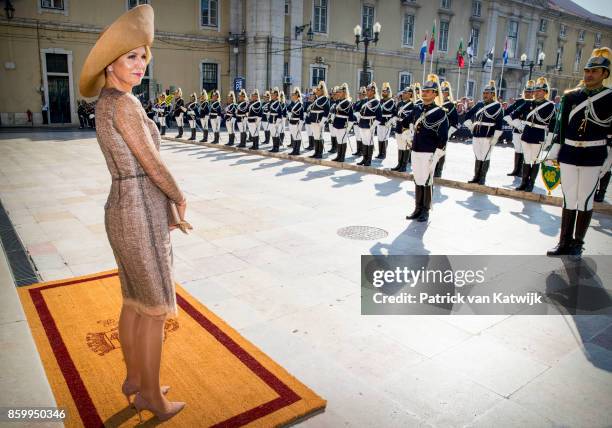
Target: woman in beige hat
138	211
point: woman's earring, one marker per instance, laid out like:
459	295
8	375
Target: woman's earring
110	68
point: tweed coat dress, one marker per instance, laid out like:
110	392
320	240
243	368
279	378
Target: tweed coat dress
137	211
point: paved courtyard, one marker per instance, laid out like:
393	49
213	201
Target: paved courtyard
266	257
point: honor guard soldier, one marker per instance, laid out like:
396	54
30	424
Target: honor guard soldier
516	133
192	113
276	120
265	118
387	111
179	111
241	113
254	118
485	122
403	132
82	114
204	115
417	94
215	115
295	115
308	124
582	147
453	121
342	122
318	116
161	111
430	136
363	98
230	118
367	123
283	102
535	119
330	118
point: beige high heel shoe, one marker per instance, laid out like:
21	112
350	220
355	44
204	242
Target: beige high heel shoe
129	390
141	404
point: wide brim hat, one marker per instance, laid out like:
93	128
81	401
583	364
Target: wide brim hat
133	29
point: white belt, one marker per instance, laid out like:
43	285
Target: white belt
387	115
535	125
342	116
368	117
483	124
585	143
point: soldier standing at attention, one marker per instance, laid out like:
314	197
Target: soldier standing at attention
403	135
230	118
387	111
241	113
367	123
204	114
343	121
516	133
296	119
216	114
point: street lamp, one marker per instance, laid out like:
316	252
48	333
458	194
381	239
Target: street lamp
366	38
300	28
541	57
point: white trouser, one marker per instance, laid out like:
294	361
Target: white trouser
367	136
309	129
422	168
215	124
531	152
341	134
254	128
229	124
179	120
516	140
296	130
156	119
382	131
317	130
203	124
578	184
276	127
404	140
482	148
357	131
192	121
162	120
265	125
242	125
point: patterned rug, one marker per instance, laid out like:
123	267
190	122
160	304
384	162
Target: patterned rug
225	380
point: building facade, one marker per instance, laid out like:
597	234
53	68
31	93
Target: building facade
208	44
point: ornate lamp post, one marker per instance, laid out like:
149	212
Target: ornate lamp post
366	38
541	57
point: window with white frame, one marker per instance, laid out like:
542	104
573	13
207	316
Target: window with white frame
476	7
578	59
287	7
408	30
470	88
52	4
317	74
443	37
475	40
367	17
209	12
134	3
210	76
597	40
445	4
562	30
405	80
543	25
559	59
581	35
320	16
513	27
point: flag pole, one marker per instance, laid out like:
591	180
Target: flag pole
458	81
431	63
425	59
467	78
433	35
501	78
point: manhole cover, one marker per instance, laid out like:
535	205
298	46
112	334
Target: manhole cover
364	233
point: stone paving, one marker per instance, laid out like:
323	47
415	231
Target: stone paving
265	256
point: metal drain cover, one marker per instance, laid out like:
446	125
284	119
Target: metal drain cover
363	233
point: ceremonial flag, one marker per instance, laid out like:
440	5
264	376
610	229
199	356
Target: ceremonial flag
460	53
488	57
505	55
423	49
432	39
470	46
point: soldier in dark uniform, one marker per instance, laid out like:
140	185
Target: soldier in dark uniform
295	115
283	102
179	111
319	112
516	133
161	111
430	136
485	122
534	118
215	115
308	124
453	121
265	124
404	135
192	114
418	100
342	121
276	120
330	119
230	118
387	111
363	98
367	123
582	144
254	118
203	114
241	113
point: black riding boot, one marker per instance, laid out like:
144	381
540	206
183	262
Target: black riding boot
400	159
180	134
564	247
193	134
334	147
533	175
205	137
600	194
275	144
477	168
483	172
418	203
341	153
230	140
369	152
439	167
243	138
318	154
404	161
518	164
525	177
582	225
382	150
163	130
255	145
296	146
216	138
426	204
266	137
359	151
408	157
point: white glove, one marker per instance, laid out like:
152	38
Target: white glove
508	119
548	140
553	153
91	116
469	124
451	131
184	108
516	123
495	137
434	160
358	116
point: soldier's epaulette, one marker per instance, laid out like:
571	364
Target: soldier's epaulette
572	90
445	109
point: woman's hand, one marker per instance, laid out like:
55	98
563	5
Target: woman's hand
181	208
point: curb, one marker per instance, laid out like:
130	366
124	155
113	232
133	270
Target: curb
598	207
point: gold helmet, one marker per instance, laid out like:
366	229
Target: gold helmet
433	84
232	96
204	96
447	89
387	87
